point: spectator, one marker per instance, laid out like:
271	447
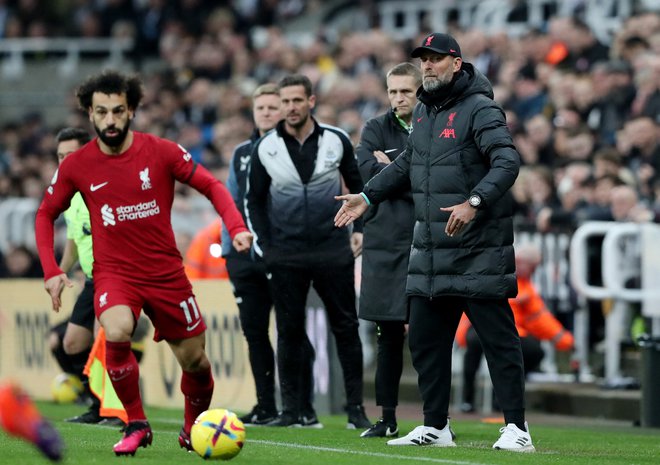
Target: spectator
614	92
584	48
530	97
642	153
535	144
20	262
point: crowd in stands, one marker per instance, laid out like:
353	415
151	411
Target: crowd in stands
585	114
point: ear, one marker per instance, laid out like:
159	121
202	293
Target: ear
458	62
90	113
312	101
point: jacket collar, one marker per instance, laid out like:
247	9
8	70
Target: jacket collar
467	81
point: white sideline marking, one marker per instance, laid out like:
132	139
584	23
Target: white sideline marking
370	454
339	451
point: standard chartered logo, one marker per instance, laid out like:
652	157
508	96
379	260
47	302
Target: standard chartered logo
129	212
107	215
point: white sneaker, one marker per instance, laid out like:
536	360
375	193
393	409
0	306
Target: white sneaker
514	439
425	436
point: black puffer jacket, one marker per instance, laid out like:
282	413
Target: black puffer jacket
460	145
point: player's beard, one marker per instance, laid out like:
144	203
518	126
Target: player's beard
116	140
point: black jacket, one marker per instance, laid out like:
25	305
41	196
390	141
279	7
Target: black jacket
236	184
292	219
460	145
388	227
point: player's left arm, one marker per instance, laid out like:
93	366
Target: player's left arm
198	177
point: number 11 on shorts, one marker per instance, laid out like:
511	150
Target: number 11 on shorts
186	309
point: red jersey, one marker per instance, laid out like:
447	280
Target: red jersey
129	197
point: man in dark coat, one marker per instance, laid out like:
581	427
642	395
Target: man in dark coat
460	164
388	231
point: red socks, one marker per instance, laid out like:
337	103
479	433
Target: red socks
125	376
197	388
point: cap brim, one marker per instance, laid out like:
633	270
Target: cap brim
419	50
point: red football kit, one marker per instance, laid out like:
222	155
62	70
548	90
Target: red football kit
129	197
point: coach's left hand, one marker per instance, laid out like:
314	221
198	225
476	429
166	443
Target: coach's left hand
461	215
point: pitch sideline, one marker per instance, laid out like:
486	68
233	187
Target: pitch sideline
333	449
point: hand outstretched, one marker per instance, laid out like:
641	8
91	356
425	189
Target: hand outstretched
354	207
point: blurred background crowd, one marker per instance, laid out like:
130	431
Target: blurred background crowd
584	108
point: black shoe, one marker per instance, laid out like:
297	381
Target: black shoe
285	419
380	429
357	419
90	417
258	416
309	420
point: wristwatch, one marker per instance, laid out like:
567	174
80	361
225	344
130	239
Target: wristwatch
474	200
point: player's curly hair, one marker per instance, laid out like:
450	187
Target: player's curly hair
110	82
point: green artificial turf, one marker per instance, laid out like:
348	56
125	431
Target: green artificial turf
335	445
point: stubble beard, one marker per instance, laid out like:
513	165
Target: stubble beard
301	122
434	85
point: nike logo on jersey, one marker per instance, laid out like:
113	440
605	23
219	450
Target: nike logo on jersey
391	150
191	327
95	187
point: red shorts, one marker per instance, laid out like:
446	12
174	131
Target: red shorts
170	305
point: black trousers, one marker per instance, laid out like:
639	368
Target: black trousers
432	328
335	287
253	297
390	336
532	357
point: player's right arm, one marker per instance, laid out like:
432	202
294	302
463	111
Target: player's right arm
56	199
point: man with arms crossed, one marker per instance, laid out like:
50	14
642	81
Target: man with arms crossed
387	236
127	181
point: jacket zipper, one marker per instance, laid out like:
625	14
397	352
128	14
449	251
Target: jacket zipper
428	205
306	218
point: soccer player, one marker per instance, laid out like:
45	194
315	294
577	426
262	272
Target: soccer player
127	181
